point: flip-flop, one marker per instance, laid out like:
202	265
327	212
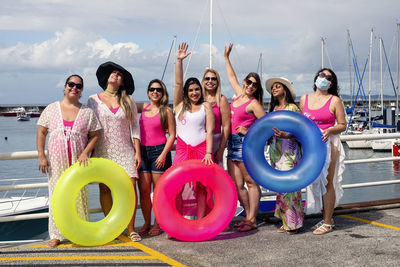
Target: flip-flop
135	237
240	224
155	231
247	226
53	243
143	231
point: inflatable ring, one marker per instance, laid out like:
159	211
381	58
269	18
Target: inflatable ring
66	217
310	165
170	184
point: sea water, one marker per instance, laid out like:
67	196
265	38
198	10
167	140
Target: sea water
21	136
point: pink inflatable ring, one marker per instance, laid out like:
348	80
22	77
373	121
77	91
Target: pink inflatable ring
172	181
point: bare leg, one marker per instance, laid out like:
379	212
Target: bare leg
201	197
235	173
329	198
145	202
131	225
156	228
105	199
254	194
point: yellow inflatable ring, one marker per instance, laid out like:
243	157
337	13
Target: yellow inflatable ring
65	215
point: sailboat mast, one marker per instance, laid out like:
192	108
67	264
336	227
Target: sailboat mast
370	77
397	73
351	78
322	52
211	31
381	66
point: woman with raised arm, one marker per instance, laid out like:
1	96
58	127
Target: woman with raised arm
194	128
211	84
246	108
325	108
73	131
119	139
156	120
285	153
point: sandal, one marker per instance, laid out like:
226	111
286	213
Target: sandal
240	224
281	229
155	231
135	237
323	229
143	230
247	226
291	232
320	223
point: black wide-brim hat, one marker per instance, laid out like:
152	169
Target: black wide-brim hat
103	73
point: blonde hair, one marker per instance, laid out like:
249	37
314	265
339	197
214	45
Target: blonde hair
127	105
218	90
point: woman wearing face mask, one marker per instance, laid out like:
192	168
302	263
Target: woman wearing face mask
194	130
246	108
325	108
73	131
119	140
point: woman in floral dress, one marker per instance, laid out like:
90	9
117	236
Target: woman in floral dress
285	154
68	123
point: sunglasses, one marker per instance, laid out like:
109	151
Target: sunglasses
250	83
326	76
158	89
78	86
210	78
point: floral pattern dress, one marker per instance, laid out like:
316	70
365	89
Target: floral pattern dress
59	135
285	154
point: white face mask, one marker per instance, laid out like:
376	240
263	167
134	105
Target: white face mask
322	83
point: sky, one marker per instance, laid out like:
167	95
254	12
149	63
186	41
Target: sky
42	42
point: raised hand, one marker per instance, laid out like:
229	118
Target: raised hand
227	50
182	51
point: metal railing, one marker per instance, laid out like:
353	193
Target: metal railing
33	154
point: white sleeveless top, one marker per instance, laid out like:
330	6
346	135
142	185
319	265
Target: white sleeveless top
192	128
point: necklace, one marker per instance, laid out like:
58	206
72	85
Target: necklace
111	93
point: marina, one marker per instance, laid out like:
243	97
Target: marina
362	236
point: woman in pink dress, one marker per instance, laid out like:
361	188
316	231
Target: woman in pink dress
69	124
194	128
211	84
156	120
325	108
246	108
119	139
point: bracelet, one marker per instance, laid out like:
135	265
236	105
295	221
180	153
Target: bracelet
208	152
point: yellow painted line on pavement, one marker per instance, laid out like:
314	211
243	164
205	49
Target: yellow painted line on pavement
370	222
150	251
77	258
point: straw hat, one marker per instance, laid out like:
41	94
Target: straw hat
103	73
286	82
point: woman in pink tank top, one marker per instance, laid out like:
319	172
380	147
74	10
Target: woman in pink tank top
325	107
156	120
211	84
245	110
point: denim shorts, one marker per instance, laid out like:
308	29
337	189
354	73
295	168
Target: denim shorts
235	143
149	157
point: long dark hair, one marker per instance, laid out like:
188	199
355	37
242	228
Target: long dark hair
334	88
163	104
186	101
258	94
288	97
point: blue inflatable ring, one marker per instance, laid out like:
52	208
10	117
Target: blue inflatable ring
308	169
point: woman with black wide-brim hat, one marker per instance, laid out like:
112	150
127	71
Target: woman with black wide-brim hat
119	139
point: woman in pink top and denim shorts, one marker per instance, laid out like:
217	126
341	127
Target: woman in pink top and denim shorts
245	110
156	120
325	108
